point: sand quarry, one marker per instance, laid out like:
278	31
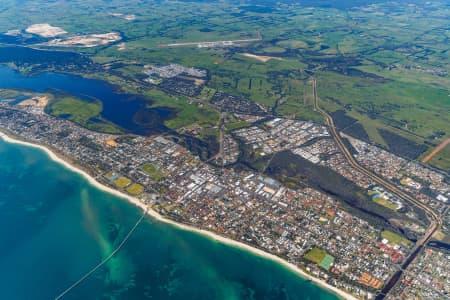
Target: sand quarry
37	101
45	30
89	40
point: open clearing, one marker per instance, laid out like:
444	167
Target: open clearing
385	203
394	238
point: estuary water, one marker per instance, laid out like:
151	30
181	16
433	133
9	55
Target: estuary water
130	112
55	226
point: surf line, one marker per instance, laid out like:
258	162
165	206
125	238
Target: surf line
104	261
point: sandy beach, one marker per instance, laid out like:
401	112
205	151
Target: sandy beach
158	217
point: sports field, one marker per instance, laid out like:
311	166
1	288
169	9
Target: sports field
320	257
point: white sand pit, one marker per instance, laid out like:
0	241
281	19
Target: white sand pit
45	30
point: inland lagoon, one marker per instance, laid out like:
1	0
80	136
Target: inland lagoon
130	112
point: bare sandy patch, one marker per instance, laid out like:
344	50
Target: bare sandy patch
14	32
130	17
37	101
87	41
261	58
122	47
199	82
439	235
45	30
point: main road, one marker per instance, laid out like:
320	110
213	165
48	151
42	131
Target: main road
435	219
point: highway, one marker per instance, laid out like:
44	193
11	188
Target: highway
221	137
434	217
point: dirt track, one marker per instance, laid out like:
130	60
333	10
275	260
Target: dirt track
436	150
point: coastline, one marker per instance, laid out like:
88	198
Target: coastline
153	214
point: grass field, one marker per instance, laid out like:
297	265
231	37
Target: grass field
385	203
153	171
135	189
81	112
442	159
315	255
320	257
207	93
122	182
326	262
75	109
188	112
236	125
395	238
10	94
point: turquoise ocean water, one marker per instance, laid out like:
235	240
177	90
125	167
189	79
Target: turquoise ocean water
54	227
